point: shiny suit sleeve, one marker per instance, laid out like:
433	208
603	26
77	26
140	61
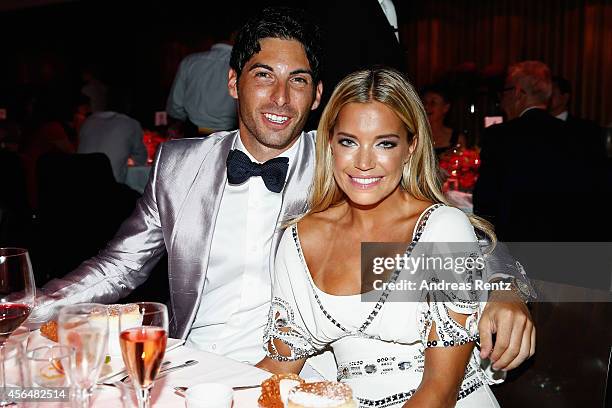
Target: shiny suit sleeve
115	271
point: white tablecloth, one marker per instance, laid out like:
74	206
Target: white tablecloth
211	368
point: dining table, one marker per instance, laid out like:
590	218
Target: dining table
210	368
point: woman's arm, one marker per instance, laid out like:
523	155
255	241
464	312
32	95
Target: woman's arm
281	367
444	371
276	366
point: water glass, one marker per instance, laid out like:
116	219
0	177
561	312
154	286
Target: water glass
84	328
48	365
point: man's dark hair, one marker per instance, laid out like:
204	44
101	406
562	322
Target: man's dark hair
563	84
278	22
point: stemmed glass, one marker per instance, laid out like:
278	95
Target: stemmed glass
17	289
17	294
11	353
143	347
84	328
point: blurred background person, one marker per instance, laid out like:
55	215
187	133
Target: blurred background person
587	133
115	134
94	89
437	104
371	38
199	96
55	119
534	185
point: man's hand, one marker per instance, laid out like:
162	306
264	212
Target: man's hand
506	315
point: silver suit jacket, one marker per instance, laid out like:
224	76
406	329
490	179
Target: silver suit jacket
177	214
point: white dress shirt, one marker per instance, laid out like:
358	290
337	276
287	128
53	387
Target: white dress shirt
389	10
234	310
563	116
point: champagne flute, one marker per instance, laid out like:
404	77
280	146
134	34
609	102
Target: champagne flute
84	327
143	346
17	294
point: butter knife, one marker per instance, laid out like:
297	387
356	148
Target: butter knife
182	390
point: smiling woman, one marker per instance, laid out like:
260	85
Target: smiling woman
370	145
375	181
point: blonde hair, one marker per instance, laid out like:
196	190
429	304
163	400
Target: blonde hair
420	176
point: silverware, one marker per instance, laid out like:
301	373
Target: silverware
246	387
162	372
182	390
122	375
167	370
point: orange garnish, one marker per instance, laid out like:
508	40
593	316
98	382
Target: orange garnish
58	366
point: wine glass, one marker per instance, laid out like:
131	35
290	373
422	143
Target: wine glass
144	333
21	335
17	289
14	369
84	327
17	293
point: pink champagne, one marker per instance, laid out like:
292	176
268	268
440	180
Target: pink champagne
11	317
143	350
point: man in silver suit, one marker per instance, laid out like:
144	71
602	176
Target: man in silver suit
214	205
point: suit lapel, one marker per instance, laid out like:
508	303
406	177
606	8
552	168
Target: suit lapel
192	236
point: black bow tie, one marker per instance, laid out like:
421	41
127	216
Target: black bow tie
273	172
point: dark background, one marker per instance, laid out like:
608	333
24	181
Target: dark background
466	43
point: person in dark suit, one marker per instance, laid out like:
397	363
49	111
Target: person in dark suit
358	34
365	38
588	133
540	190
534	183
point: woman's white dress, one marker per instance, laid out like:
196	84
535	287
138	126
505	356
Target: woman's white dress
379	347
